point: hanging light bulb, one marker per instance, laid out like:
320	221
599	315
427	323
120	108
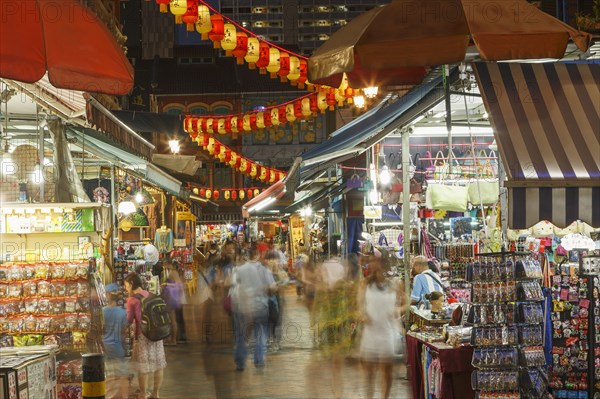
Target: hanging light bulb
371	92
126	207
385	177
359	101
374	196
139	198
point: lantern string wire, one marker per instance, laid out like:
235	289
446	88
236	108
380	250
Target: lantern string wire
252	33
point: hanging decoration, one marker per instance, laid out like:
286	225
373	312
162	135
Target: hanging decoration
224	193
249	47
301	108
238	162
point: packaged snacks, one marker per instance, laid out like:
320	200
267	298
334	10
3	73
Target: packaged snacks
71	289
58	324
70	271
6	340
3	273
29	272
31	306
15	290
57	306
82	289
83	304
82	270
30	288
3	326
70	305
58	271
70	322
79	338
35	339
44	288
44	306
3	291
51	340
30	324
58	289
21	340
43	324
84	321
42	271
15	273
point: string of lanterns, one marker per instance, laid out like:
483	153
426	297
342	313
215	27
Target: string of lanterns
238	162
305	107
228	194
241	43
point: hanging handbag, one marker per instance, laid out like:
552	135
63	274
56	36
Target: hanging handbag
483	192
419	170
449	198
427	165
440	167
390	197
396	186
415	187
354	182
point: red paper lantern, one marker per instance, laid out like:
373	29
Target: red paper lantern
303	73
240	124
217	33
203	127
253	125
267	118
238	162
249	193
298	110
216	194
202	192
227	155
164	5
241	47
234	194
331	101
215	125
314	105
228	124
281	115
263	57
193	128
349	95
191	15
205	139
284	66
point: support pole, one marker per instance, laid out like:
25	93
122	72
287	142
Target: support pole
406	208
446	74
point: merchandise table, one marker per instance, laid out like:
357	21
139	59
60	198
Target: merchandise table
455	365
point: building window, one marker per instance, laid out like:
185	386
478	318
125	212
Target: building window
198	109
174	109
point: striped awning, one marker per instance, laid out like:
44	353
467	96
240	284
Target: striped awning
559	205
546	119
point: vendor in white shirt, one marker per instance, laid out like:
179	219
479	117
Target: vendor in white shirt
425	280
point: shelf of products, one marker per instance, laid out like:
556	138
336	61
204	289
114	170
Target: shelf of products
508	326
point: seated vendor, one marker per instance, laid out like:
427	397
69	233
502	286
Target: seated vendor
425	280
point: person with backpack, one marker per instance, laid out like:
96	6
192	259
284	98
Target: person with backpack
425	280
152	322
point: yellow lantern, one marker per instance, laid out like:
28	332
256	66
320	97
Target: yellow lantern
253	170
208	193
252	54
227	195
273	66
229	41
242	194
222	154
234	123
211	146
263	173
209	125
178	8
256	192
243	165
322	101
289	113
247	126
340	97
306	112
233	159
203	25
195	190
221	126
271	176
294	70
260	120
275	116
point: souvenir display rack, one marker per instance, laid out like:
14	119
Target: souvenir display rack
458	255
508	326
575	317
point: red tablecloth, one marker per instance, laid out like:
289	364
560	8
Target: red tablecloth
455	364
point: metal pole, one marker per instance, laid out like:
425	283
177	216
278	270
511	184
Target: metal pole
42	174
406	208
446	74
113	203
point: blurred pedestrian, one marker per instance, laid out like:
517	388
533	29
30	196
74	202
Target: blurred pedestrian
172	293
148	356
115	331
273	263
377	301
252	285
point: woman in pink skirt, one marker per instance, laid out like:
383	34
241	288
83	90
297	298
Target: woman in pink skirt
148	356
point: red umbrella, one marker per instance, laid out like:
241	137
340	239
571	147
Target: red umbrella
67	40
389	42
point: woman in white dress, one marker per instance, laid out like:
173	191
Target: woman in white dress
377	300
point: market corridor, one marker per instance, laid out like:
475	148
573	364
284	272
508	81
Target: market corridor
295	371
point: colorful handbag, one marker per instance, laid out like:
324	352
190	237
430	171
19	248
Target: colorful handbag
354	182
484	192
428	166
449	198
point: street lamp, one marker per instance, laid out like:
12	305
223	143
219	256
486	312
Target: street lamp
174	145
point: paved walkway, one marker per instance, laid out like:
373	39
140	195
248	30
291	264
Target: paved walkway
296	371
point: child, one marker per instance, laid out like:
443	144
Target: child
114	330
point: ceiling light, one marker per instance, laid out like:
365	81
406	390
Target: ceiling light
174	145
126	207
359	101
385	177
371	92
440	131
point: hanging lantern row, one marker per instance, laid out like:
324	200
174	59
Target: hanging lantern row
240	43
238	162
300	109
227	194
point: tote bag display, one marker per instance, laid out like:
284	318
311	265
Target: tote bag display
449	198
489	191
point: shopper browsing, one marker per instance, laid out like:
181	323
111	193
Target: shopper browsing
425	280
115	330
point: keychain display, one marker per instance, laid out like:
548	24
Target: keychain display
532	356
528	268
489	270
531	335
495	357
531	313
494	292
492	314
494	336
499	395
530	291
495	380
